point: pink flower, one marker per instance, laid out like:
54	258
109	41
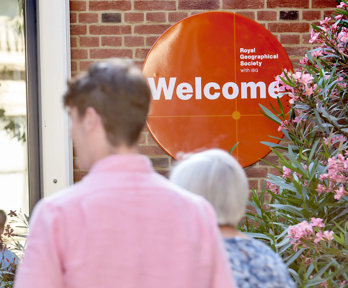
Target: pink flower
343	35
304	61
327	235
297	119
341	83
339	193
334	28
337	172
303	78
293	97
320	189
340	138
272	187
314	37
316	53
301	230
308	261
342	5
298	175
319	237
317	222
297	75
323	176
306	78
323	284
283	125
325	28
282	86
325	21
335	140
308	91
339	17
286	173
332	162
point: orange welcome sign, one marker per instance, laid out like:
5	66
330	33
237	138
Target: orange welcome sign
208	74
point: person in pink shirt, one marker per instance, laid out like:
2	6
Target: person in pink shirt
122	225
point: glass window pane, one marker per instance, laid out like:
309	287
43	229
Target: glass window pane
13	125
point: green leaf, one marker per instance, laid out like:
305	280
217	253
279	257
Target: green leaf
316	28
258	236
314	282
309	270
292	258
234	147
270	164
322	270
281	108
270	115
274	145
289	208
284	248
282	183
280	156
277	138
257	205
283	242
288	81
274	109
286	134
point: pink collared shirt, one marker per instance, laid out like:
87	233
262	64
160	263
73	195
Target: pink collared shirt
124	226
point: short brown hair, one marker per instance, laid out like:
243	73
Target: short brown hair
119	93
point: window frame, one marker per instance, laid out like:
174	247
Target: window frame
54	70
33	100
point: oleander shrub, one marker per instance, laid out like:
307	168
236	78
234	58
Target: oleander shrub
302	211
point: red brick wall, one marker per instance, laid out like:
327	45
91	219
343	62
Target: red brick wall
121	28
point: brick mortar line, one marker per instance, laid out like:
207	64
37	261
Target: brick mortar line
145	46
146	12
167	22
194	11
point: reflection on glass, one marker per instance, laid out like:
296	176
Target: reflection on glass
13	125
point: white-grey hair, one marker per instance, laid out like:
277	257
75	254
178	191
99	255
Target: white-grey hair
215	175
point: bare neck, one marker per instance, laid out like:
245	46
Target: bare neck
108	149
231	232
123	149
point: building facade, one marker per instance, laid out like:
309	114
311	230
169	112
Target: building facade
103	29
43	43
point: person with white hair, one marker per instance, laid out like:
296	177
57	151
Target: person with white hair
215	175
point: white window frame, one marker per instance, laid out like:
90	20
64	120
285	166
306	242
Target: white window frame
54	70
